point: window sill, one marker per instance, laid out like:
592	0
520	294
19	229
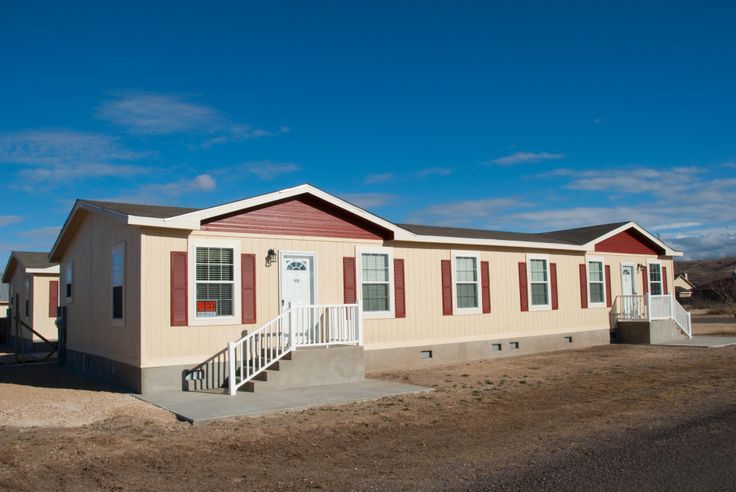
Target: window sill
118	323
378	314
465	311
546	307
218	321
596	305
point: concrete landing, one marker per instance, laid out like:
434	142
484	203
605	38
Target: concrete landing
197	408
703	341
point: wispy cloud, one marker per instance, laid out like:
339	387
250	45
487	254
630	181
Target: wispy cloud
368	200
167	192
43	232
145	113
434	171
9	219
55	155
635	180
477	212
525	158
270	170
379	178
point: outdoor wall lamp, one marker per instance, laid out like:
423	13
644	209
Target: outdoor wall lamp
640	267
270	257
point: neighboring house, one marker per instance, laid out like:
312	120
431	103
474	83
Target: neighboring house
150	292
4	300
34	292
683	286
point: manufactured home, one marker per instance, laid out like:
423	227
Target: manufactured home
303	283
33	292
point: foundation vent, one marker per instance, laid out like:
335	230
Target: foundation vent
568	339
514	345
496	347
425	354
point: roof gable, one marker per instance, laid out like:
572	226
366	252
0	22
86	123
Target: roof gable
629	241
302	215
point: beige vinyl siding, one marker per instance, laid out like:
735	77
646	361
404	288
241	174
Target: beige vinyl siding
163	344
89	314
167	345
38	305
42	322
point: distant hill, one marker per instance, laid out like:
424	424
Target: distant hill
704	271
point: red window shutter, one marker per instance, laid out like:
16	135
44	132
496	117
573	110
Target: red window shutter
446	288
553	285
179	291
485	286
608	285
665	290
523	287
645	280
399	290
53	298
248	288
583	286
348	280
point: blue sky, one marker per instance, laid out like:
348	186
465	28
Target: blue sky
506	115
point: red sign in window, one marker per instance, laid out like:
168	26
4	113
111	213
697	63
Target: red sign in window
206	308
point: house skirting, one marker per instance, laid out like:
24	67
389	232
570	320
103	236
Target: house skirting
27	345
445	353
105	370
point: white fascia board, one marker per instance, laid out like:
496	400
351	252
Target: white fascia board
51	269
629	225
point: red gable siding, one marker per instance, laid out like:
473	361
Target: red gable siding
299	216
629	241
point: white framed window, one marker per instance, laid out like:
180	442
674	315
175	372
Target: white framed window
466	282
117	277
655	279
68	280
539	285
214	284
375	270
596	282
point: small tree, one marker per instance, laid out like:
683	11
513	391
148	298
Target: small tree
725	290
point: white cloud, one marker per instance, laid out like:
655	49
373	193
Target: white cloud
53	155
635	180
379	178
464	212
434	171
269	170
525	158
9	219
705	243
43	232
368	200
164	114
156	193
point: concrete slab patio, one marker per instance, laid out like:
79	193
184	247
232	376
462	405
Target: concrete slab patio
703	341
200	407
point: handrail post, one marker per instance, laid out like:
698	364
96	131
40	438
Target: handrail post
649	307
672	307
292	332
231	361
359	322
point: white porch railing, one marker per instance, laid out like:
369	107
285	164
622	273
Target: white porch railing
299	326
653	307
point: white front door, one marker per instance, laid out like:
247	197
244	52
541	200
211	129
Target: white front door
627	280
297	280
628	289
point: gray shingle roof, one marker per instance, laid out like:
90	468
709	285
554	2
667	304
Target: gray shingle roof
154	211
33	259
577	237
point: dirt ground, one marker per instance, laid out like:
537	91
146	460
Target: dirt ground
484	420
714	324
